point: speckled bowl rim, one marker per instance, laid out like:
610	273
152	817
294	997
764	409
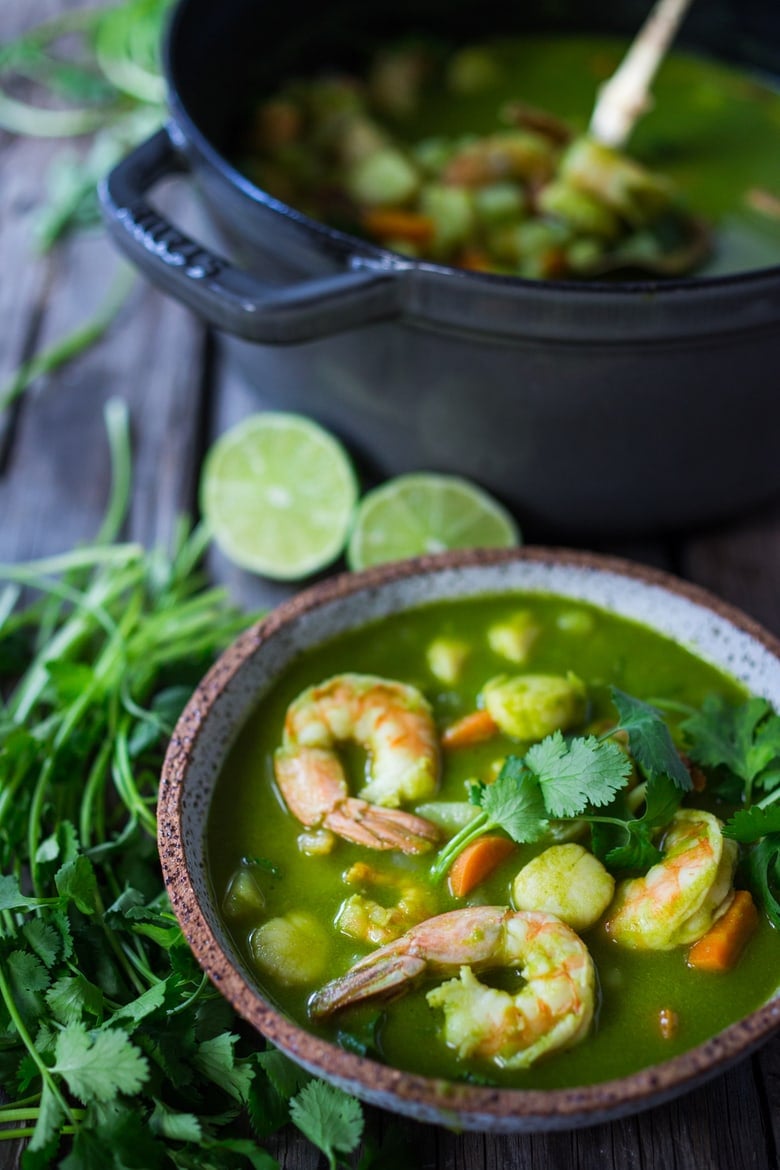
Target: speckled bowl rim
428	1099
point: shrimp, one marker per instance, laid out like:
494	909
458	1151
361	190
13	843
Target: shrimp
552	1010
680	897
394	723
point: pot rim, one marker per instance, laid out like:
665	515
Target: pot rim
344	244
432	1099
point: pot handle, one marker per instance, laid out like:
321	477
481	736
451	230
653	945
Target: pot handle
227	297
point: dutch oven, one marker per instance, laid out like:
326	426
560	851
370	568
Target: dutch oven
589	407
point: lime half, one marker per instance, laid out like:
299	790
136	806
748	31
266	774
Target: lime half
426	513
279	494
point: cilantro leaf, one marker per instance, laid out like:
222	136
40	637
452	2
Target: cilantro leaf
99	1065
636	852
216	1060
47	1126
73	996
11	896
43	939
514	802
179	1127
258	1158
287	1077
650	739
576	773
743	738
76	880
329	1118
27	977
116	1137
748	825
763	869
142	1006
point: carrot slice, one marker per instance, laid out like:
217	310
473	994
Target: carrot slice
721	946
389	224
476	862
473	728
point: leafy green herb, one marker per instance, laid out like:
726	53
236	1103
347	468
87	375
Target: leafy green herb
763	870
740	743
744	739
568	778
577	773
115	1050
749	825
649	739
513	803
329	1118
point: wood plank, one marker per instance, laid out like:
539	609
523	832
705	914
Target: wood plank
741	562
768	1077
25	271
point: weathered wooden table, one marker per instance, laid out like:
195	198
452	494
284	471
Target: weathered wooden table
181	393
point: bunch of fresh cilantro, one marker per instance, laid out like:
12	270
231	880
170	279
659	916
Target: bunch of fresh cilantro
115	1051
587	779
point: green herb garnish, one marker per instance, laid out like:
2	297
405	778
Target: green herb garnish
742	744
328	1117
115	1050
567	778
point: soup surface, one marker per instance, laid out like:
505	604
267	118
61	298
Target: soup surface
413	143
266	868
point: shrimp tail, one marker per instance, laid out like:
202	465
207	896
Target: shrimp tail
381	828
380	974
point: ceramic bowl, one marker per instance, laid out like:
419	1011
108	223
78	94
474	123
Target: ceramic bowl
226	698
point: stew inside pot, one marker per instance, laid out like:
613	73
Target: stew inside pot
477	158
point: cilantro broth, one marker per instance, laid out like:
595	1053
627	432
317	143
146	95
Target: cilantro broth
249	820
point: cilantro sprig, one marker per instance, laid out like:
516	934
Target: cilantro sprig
115	1050
568	778
740	743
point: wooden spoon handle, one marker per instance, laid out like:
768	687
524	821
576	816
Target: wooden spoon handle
626	95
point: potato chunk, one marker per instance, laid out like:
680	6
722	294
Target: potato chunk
294	949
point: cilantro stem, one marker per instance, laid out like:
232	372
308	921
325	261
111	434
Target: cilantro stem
124	780
7	1135
185	1004
92	811
117	427
90	604
475	828
768	800
34	1099
74	343
27	1040
10	1113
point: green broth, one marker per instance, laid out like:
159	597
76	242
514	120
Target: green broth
248	819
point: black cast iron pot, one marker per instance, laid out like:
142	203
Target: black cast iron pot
588	407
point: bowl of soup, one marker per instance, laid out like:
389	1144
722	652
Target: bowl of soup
590	399
447	832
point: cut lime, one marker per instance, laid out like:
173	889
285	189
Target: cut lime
426	513
279	494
